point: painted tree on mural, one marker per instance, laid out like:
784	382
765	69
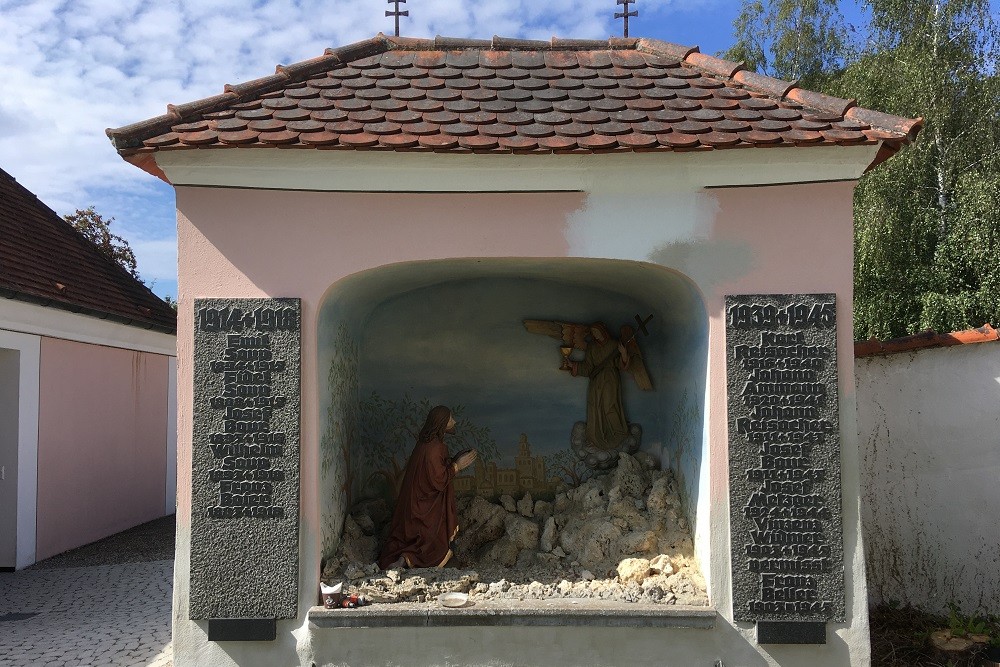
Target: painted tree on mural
926	233
387	430
567	466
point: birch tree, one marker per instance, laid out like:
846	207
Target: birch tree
926	221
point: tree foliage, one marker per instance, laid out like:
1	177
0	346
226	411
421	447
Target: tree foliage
97	229
800	40
926	239
926	220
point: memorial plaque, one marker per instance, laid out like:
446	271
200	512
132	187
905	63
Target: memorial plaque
245	459
784	458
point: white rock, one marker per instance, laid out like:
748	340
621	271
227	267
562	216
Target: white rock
562	502
501	586
548	535
354	571
633	570
639	542
587	575
629	477
526	506
523	532
662	565
594	499
658	500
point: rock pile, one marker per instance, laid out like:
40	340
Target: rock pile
619	536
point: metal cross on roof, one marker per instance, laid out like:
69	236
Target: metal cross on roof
625	14
398	13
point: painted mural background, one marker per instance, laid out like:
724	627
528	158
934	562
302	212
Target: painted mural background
394	352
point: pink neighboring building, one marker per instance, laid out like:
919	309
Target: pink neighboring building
87	384
395	164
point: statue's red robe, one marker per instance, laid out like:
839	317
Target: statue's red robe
424	521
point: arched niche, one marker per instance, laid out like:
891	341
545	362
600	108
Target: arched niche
403	336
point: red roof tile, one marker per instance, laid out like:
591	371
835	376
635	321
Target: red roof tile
504	95
44	260
925	339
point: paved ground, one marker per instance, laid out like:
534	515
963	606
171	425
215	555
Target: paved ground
107	603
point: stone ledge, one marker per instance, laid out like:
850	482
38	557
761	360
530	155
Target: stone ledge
560	612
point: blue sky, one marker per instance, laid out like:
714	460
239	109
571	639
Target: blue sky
70	69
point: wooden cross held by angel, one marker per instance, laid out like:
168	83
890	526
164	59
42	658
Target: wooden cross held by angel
603	361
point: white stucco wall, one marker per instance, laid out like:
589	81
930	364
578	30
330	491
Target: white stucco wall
930	440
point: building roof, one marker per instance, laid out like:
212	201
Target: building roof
510	95
925	339
45	261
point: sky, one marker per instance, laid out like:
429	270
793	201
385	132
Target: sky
70	69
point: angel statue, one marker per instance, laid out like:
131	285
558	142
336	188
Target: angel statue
607	431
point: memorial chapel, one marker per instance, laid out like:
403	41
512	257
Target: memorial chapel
368	232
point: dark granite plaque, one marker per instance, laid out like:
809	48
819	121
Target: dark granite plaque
245	459
791	632
784	458
242	629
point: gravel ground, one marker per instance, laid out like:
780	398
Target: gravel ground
149	542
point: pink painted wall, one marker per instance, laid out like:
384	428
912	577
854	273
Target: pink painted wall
799	238
781	239
252	243
102	432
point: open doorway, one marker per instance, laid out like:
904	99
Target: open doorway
19	360
9	383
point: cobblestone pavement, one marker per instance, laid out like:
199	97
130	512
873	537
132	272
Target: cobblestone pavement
97	614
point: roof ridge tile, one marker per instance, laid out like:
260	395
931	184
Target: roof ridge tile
407	43
306	68
726	68
925	339
821	101
884	121
372	46
623	42
577	44
662	48
513	44
452	43
764	83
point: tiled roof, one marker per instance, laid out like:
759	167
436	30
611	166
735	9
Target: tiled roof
507	95
924	339
45	261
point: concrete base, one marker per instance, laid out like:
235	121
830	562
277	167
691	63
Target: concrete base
561	612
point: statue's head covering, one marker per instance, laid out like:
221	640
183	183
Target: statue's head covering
436	424
600	326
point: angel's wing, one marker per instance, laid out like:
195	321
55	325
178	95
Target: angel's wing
636	364
567	333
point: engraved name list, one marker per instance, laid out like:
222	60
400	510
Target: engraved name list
784	457
245	457
246	449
